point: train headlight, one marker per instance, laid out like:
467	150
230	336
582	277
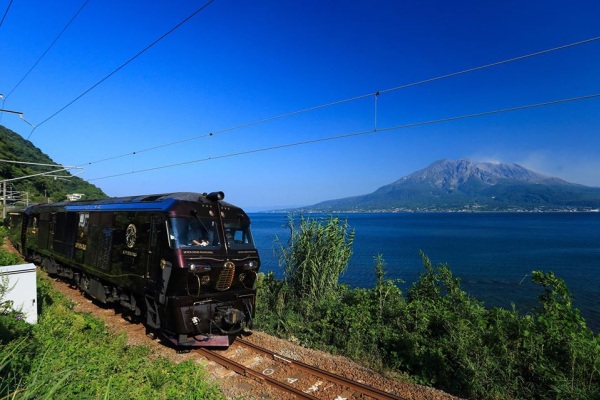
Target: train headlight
199	267
250	265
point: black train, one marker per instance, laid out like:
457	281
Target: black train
185	262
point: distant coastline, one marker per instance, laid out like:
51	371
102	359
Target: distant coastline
400	211
469	186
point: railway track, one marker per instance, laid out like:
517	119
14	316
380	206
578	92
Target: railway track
296	379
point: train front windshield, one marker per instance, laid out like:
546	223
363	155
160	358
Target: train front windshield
238	234
203	233
194	232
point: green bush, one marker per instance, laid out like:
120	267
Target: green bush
437	332
12	324
316	256
8	258
73	356
302	304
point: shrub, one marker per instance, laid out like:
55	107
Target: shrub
8	258
438	333
12	324
72	356
316	256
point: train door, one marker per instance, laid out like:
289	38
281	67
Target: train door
100	239
158	268
156	242
46	230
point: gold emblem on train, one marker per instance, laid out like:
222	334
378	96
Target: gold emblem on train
130	235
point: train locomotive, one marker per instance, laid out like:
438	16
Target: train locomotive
185	263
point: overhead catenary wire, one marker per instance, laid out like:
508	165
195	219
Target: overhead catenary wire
2	22
48	49
5	13
122	65
360	133
494	64
36	164
376	94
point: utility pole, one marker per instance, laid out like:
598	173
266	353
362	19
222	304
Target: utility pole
3	200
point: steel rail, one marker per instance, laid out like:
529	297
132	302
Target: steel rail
245	371
340	380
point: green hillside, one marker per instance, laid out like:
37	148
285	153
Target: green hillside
39	188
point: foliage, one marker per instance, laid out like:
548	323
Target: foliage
316	256
436	332
8	258
39	188
272	296
72	356
302	304
12	324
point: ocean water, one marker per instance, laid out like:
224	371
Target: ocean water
492	253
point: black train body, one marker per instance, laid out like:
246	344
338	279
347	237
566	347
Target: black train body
185	262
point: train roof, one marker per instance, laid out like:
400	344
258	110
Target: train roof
154	202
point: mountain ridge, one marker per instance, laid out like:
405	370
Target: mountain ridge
466	185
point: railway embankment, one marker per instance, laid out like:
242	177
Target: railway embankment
234	385
125	358
73	353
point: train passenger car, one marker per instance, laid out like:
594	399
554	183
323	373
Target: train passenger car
185	262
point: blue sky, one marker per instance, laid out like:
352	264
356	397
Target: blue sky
147	127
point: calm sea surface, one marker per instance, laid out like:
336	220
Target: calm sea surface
492	253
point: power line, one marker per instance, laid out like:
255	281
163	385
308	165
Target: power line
5	13
36	164
145	150
360	133
49	47
123	65
494	64
376	94
1	22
